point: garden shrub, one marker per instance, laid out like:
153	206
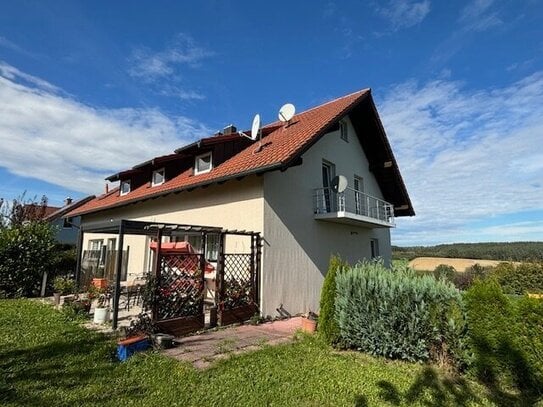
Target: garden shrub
520	279
444	271
26	252
328	327
398	314
505	336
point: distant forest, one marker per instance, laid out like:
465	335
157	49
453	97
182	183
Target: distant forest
511	251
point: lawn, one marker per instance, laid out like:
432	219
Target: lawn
46	360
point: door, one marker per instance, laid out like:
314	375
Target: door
358	187
328	172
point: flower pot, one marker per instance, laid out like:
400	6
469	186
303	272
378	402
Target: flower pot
101	315
56	298
99	282
309	325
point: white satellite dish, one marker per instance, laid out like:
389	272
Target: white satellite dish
255	129
339	183
286	113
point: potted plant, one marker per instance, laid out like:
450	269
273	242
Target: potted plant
101	311
309	322
62	286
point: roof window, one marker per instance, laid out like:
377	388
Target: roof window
202	163
125	187
158	177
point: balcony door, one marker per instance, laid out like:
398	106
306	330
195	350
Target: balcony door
358	187
328	172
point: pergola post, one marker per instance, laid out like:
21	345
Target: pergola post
154	310
118	271
79	248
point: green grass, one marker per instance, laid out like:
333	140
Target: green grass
46	360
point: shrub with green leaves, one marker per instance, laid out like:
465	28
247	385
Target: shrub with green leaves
505	337
26	252
520	279
398	314
328	327
444	271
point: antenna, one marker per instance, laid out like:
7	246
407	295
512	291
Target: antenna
339	183
255	132
286	113
255	128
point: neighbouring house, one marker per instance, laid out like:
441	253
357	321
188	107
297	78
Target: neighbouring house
67	228
285	190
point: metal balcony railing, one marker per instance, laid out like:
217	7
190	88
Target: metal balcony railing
325	200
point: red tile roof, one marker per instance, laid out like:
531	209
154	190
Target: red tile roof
281	146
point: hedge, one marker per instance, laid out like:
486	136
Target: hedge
398	314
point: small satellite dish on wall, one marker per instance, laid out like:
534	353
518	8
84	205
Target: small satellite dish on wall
286	113
339	183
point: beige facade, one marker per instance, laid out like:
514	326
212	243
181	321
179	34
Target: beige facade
279	205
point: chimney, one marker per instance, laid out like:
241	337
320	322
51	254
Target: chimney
230	129
68	201
107	188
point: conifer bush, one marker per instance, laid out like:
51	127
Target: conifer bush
398	314
328	327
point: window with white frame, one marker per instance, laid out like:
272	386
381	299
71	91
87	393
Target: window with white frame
95	244
343	130
125	187
202	163
158	177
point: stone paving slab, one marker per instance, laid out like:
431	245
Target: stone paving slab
202	350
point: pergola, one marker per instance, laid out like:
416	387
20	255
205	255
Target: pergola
122	227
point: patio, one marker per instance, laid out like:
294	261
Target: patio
202	350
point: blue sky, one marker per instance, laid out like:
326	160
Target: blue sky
88	88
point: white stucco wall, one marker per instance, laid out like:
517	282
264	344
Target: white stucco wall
298	247
233	205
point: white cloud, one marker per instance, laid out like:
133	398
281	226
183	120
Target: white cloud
162	70
150	65
477	17
52	137
404	13
466	155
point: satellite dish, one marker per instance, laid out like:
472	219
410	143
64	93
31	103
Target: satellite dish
286	113
255	129
339	183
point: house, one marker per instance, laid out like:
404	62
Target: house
284	188
67	228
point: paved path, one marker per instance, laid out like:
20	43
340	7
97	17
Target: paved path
202	350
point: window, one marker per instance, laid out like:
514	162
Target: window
202	163
125	187
95	244
67	223
343	130
212	247
158	177
374	246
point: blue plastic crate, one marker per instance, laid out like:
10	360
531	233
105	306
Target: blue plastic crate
124	351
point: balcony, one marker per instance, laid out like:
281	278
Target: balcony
352	207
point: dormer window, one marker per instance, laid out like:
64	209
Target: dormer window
125	187
343	131
158	177
202	163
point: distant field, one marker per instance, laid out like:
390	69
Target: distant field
430	263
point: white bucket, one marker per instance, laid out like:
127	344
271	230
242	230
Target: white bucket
101	315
